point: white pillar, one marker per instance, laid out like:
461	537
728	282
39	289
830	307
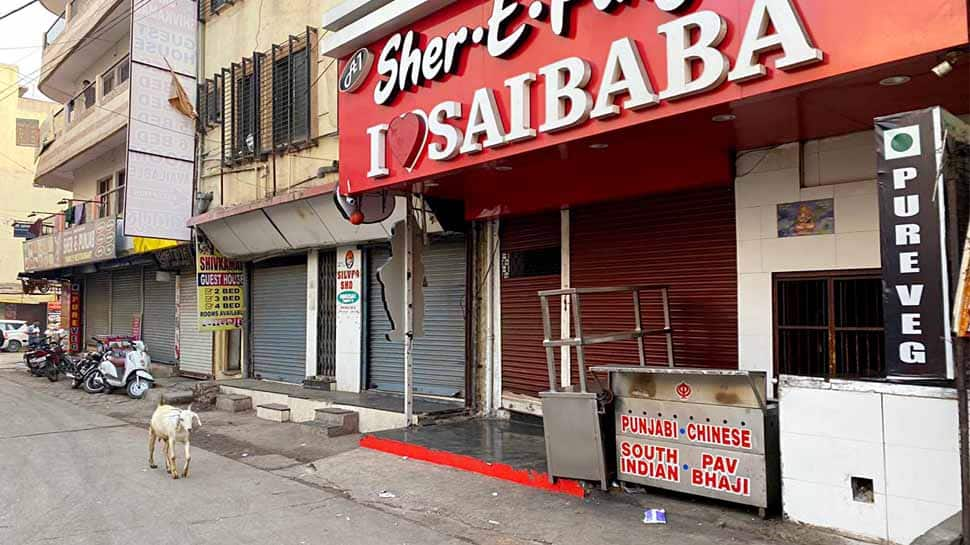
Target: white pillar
349	302
312	299
564	306
494	296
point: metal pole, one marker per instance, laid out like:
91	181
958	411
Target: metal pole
964	419
639	323
408	313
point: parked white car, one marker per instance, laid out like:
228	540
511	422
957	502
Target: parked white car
15	335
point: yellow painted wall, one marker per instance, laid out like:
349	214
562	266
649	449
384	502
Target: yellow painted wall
18	196
236	32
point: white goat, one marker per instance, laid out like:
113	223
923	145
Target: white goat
171	425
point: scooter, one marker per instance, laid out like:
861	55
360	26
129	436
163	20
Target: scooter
88	364
130	371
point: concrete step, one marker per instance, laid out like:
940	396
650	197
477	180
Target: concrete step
233	403
169	396
338	422
277	412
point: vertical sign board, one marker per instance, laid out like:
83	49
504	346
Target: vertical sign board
916	294
74	322
219	281
349	313
161	140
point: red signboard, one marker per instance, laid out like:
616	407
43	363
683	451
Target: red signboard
74	321
482	80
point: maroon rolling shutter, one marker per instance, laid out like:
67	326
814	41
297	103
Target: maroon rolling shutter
523	358
684	240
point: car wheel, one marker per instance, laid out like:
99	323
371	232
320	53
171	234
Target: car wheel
14	346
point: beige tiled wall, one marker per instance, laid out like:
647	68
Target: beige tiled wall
841	168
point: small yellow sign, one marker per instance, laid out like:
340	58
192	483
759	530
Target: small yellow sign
219	282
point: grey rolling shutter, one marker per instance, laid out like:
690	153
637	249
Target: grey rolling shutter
439	356
125	299
158	318
279	323
195	347
326	316
96	298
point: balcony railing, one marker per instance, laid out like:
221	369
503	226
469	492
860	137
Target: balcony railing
75	8
56	29
96	94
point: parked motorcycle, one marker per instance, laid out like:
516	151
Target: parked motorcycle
88	364
129	371
48	359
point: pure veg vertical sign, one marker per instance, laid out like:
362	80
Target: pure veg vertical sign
912	211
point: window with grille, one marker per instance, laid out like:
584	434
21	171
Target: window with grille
291	99
245	119
28	132
264	103
829	324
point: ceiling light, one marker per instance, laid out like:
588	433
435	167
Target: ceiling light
599	145
893	81
722	118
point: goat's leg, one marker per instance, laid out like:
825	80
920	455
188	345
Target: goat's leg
151	448
170	445
188	457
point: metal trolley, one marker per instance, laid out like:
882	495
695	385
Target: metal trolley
577	421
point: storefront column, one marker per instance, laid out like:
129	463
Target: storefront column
312	296
565	368
492	303
349	318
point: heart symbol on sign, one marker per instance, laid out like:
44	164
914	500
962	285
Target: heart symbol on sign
406	136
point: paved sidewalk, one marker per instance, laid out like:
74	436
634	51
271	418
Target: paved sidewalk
451	506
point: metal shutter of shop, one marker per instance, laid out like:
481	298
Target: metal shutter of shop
158	320
195	347
125	299
96	304
279	323
327	316
684	240
439	356
524	368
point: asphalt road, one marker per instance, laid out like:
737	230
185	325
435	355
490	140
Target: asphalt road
69	475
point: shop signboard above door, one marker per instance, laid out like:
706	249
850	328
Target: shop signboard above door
478	81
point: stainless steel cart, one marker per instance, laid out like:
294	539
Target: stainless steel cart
706	432
578	422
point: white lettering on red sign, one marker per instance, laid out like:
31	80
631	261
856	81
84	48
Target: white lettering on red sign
695	64
653	462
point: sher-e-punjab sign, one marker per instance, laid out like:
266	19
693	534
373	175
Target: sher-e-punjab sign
481	80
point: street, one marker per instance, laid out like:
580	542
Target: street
73	469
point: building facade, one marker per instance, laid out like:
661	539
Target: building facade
724	150
113	284
268	169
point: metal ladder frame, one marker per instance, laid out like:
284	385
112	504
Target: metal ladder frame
579	341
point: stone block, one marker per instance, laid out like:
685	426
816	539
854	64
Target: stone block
233	403
177	397
338	422
277	412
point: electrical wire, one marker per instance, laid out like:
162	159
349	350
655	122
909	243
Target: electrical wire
15	10
110	24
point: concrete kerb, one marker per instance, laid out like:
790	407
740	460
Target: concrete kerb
304	410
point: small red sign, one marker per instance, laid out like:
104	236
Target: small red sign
684	390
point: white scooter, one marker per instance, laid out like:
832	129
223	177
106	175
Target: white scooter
130	372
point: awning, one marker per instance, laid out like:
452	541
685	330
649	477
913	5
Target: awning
306	218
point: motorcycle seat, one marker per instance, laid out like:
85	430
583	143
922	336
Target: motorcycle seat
117	361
